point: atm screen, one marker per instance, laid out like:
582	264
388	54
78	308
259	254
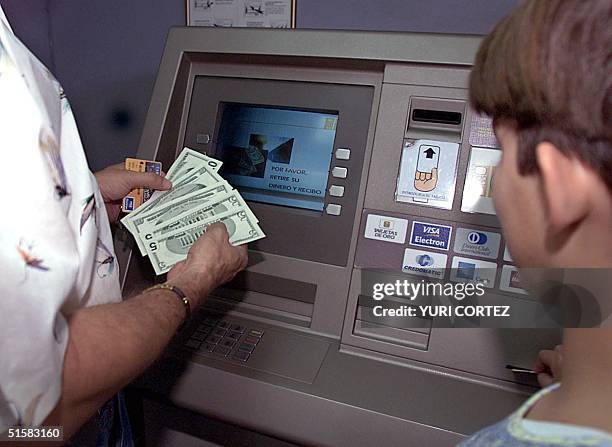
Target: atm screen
277	155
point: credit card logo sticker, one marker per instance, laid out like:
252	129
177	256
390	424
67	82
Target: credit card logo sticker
424	260
477	243
511	280
424	263
430	235
473	270
474	237
387	229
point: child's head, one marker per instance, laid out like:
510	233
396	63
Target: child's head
545	76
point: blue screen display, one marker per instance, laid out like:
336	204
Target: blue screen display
277	155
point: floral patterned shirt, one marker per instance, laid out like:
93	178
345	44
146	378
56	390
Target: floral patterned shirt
56	252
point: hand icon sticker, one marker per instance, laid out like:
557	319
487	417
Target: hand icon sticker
426	181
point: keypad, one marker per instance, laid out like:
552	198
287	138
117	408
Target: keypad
224	338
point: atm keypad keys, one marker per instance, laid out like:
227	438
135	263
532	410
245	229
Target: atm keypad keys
193	344
228	343
198	335
252	340
233	336
237	328
209	321
222	350
243	356
207	347
225	338
214	339
246	347
219	332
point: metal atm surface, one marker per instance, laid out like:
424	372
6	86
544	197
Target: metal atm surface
319	373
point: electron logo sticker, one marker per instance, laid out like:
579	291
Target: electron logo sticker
430	235
428	173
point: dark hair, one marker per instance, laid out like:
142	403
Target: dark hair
547	70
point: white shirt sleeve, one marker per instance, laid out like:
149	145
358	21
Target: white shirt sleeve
56	249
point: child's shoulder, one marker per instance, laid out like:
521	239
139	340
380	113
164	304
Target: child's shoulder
516	431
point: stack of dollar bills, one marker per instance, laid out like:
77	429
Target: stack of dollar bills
168	224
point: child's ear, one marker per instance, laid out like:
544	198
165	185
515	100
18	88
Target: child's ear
567	187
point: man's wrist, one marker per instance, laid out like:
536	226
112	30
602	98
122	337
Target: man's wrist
182	297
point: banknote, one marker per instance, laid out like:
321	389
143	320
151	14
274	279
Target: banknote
200	179
173	248
189	160
215	207
167	225
174	208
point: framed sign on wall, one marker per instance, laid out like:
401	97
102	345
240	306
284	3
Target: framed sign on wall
242	13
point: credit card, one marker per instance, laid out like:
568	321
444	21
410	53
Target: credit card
138	196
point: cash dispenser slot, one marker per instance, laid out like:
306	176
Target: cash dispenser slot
404	331
267	296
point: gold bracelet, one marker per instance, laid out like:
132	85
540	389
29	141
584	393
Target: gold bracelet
178	292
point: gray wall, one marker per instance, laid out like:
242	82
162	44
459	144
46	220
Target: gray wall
106	53
433	16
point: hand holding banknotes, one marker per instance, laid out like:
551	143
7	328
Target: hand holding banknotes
115	182
211	261
167	225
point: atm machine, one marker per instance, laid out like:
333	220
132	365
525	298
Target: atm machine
288	353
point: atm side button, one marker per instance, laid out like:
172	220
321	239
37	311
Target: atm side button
243	356
222	350
333	209
339	172
336	191
343	153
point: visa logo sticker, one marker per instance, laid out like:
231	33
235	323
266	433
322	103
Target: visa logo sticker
431	235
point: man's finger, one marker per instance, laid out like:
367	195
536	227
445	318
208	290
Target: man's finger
544	379
146	180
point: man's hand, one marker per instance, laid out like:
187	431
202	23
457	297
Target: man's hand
116	182
211	262
548	366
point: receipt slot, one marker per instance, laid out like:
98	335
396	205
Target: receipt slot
355	151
